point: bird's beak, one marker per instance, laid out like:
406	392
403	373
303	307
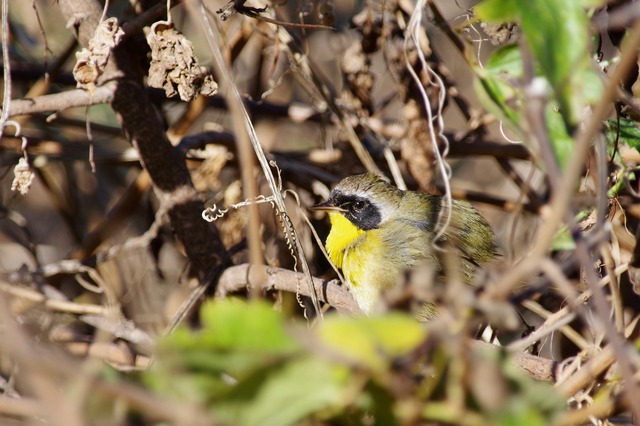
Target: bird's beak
327	206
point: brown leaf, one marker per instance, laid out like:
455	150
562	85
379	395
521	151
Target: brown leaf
174	67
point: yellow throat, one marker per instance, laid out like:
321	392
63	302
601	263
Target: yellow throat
342	234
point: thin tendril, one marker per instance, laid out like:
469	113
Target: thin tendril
413	33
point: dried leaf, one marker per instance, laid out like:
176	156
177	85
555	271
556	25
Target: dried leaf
92	60
23	177
174	67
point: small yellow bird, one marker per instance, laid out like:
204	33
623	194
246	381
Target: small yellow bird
378	232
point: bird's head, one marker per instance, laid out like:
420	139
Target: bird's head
366	200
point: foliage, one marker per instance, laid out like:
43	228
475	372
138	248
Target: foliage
557	34
624	131
248	366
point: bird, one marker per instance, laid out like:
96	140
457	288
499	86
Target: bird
380	232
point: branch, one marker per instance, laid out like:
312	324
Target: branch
536	367
52	304
266	278
61	101
20	407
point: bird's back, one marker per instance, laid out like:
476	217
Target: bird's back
467	234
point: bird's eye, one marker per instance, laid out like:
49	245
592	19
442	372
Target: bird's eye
358	205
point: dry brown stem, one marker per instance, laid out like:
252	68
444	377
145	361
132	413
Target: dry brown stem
267	278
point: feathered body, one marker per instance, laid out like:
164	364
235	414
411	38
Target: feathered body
378	232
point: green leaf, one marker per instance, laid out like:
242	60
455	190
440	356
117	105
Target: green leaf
507	60
246	369
561	142
592	85
494	88
295	391
372	341
629	133
281	394
519	414
498	10
235	324
563	240
557	33
500	98
236	340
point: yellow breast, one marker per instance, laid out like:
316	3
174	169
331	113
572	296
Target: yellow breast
361	256
342	235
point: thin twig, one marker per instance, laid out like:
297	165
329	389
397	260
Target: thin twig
614	285
6	66
303	64
587	373
52	304
552	322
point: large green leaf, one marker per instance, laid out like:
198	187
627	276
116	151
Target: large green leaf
236	340
557	32
372	342
295	391
233	324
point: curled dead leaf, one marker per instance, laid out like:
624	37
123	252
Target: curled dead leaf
92	60
174	67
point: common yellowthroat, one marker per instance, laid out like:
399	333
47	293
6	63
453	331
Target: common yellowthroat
378	232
